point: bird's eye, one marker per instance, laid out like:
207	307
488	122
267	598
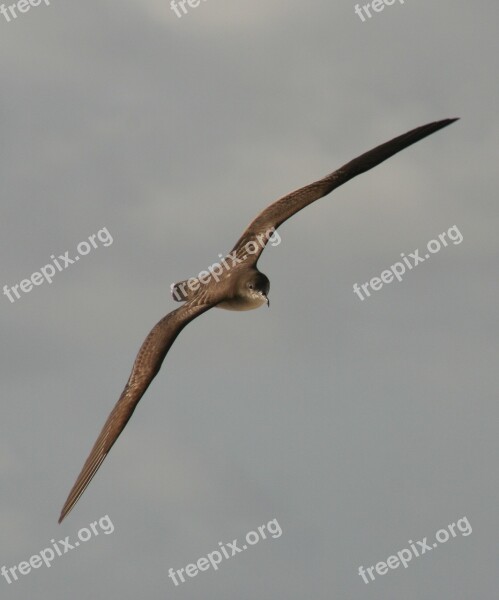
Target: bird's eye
250	286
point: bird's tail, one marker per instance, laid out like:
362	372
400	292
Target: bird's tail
183	290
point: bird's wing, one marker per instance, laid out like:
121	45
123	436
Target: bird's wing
146	366
259	230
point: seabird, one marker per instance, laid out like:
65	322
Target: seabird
240	286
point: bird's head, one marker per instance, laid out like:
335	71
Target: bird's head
255	286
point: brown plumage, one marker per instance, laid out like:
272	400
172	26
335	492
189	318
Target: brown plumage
241	287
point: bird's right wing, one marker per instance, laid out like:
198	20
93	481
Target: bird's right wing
146	366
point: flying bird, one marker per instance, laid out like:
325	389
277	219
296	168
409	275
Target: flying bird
239	285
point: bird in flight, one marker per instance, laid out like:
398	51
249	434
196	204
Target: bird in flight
238	285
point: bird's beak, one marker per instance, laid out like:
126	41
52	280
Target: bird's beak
268	301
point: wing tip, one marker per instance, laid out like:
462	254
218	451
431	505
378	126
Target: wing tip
64	514
432	127
446	122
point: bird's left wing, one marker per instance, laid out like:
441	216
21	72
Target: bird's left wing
260	229
146	366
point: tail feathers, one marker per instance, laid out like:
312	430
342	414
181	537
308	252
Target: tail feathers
181	291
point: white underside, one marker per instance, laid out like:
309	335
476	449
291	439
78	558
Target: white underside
243	303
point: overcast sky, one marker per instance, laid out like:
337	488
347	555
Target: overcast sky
357	424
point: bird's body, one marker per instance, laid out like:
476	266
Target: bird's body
238	286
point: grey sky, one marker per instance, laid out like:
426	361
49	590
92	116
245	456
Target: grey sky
358	425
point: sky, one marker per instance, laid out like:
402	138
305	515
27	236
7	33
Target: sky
348	430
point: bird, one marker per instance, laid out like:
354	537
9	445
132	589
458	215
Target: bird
237	285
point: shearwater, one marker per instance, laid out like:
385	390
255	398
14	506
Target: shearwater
243	287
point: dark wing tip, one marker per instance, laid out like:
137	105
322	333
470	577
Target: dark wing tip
425	130
430	128
445	122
